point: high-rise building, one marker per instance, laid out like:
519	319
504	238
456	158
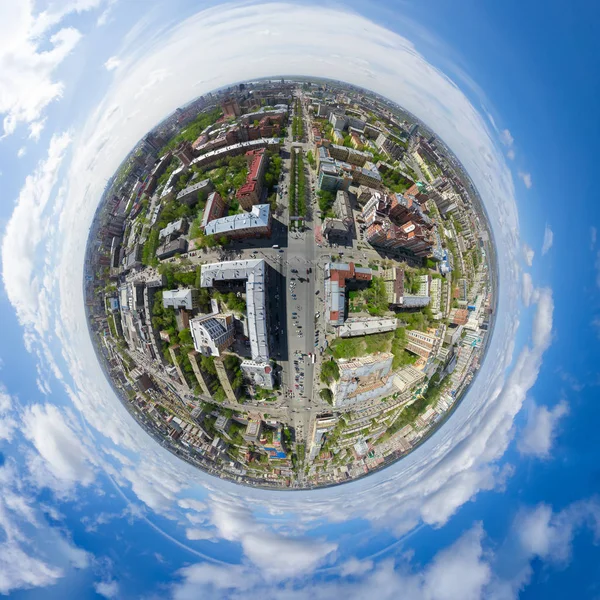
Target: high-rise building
231	108
321	426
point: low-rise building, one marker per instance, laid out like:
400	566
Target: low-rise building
212	334
343	224
366	326
363	378
214	209
256	223
254	271
180	298
174	229
259	373
322	425
170	249
422	344
336	277
192	193
408	378
253	430
250	192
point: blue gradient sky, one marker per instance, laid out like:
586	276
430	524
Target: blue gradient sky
501	503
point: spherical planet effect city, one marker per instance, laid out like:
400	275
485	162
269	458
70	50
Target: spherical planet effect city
290	282
289	300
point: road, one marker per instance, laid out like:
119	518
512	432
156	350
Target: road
293	335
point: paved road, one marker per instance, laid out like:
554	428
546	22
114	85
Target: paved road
295	252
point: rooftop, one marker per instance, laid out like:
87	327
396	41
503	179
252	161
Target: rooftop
254	271
258	217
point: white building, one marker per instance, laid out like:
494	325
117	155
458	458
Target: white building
254	271
182	298
366	326
212	333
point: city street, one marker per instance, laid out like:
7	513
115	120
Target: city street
295	296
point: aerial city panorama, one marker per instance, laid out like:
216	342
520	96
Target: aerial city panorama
290	282
299	300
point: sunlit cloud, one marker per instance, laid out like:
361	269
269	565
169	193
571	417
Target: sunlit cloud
541	429
30	56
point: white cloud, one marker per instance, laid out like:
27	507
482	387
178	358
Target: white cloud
25	231
459	571
112	63
526	179
104	17
548	239
593	237
193	504
199	534
506	138
471	568
29	59
527	289
107	589
65	460
22	152
36	128
540	432
528	254
510	154
7	421
32	554
353	566
276	555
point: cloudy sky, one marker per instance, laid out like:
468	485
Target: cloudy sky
500	503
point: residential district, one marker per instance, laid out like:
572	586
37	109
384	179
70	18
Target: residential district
290	283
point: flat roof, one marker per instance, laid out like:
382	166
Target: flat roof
258	217
254	272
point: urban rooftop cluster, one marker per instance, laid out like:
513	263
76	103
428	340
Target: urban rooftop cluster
290	283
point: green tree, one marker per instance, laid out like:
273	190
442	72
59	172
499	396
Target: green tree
326	395
330	371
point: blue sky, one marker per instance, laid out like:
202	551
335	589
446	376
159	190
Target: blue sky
500	503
